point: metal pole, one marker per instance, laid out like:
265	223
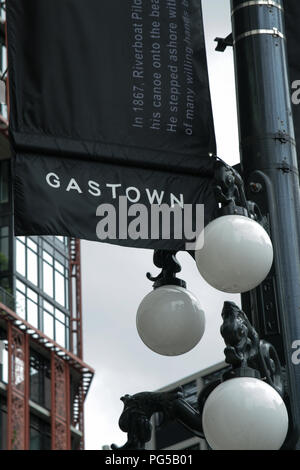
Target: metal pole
269	167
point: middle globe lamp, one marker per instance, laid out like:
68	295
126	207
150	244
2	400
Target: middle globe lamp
170	320
237	254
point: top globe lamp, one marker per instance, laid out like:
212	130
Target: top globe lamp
237	254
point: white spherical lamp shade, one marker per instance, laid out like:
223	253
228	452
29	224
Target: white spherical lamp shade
170	320
245	414
237	254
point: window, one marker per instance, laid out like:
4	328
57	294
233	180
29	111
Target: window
3	356
27	259
75	442
40	434
55	279
215	375
4	244
48	315
3	423
47	274
42	285
55	267
27	304
56	324
2	13
4	175
3	64
59	283
40	380
21	257
190	392
32	262
32	307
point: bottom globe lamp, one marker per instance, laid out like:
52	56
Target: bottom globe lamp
245	413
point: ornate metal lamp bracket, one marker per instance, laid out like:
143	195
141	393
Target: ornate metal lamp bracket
166	260
230	193
247	355
137	413
246	352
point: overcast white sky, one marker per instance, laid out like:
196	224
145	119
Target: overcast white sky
114	283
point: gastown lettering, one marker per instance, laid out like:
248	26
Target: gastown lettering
114	190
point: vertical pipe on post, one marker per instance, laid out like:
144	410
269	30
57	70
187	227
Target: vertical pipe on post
268	156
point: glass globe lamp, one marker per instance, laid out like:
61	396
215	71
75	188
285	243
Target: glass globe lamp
245	413
237	254
170	320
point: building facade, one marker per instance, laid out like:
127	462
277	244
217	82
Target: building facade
171	435
43	379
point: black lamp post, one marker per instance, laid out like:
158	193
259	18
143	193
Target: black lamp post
270	173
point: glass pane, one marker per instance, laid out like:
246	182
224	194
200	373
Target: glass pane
60	334
40	434
3	425
34	383
3	361
32	313
20	286
60	315
35	440
4	231
32	245
48	307
47	257
20	305
59	267
4	168
59	288
48	279
32	295
20	253
32	267
48	325
39	379
47	392
4	253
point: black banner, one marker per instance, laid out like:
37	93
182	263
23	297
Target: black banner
107	98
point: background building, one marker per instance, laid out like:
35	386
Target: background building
43	379
170	435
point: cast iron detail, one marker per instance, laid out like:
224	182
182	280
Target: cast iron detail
137	413
223	43
230	192
166	260
247	355
246	352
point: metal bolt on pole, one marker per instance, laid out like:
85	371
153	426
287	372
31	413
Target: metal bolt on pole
269	162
